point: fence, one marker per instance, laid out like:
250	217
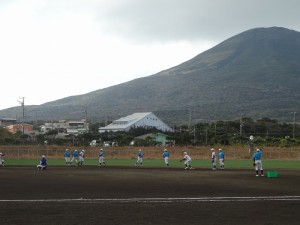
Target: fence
231	152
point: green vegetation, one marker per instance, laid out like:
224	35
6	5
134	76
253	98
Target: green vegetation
266	132
229	164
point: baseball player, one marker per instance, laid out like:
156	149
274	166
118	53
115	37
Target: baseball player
221	157
166	156
213	159
101	157
75	156
1	159
43	163
81	157
187	161
67	156
140	158
257	157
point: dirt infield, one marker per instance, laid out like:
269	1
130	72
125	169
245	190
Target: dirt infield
129	195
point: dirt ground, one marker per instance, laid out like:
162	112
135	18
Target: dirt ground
140	195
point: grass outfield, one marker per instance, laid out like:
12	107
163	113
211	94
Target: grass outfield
229	164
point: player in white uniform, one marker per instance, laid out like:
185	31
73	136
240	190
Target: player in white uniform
1	159
81	158
213	159
187	161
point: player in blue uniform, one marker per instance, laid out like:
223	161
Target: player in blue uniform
75	156
166	156
101	157
257	161
221	157
140	158
43	163
67	156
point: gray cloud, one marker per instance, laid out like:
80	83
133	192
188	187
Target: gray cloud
172	20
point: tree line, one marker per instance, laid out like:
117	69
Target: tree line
265	132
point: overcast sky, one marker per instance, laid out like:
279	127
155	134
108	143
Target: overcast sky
51	49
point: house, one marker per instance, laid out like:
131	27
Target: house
26	128
59	126
145	120
157	137
7	121
70	127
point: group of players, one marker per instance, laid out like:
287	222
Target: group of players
78	158
257	156
187	159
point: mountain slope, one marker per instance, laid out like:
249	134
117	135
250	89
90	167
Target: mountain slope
255	74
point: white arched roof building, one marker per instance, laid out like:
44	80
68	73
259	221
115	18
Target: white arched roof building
145	120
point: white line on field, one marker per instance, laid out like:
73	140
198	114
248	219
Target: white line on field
162	200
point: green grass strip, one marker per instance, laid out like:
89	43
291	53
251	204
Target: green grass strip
229	164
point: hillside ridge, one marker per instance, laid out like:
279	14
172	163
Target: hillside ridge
255	73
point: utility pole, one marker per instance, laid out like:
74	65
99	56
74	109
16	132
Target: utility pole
105	120
84	110
215	129
190	119
294	121
85	122
206	136
241	125
23	109
194	135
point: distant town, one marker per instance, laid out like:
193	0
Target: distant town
146	129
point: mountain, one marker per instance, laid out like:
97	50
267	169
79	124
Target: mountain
253	74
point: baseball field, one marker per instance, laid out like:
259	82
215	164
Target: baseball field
147	195
121	193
